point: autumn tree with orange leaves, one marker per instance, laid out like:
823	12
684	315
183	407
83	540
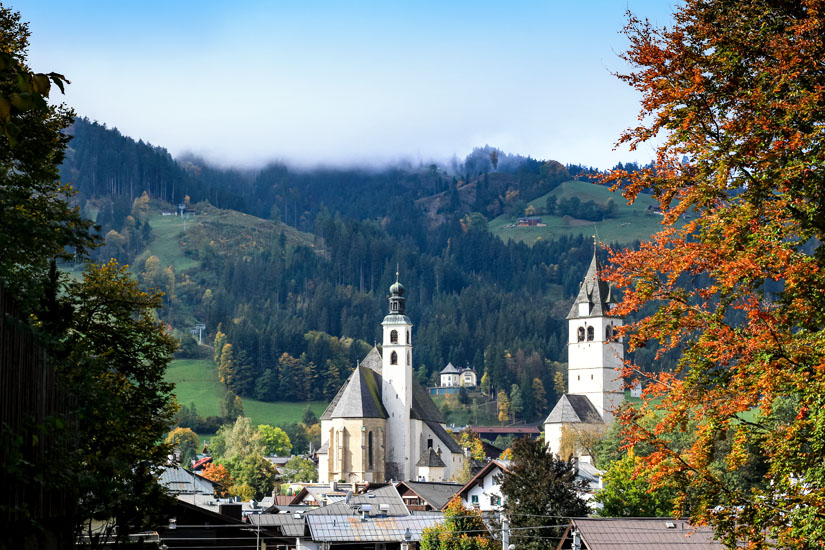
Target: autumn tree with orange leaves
733	98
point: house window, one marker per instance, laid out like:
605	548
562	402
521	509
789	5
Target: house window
393	358
393	337
581	334
589	333
495	500
474	500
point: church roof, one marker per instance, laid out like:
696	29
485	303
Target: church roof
373	360
593	291
431	459
573	409
423	407
450	369
443	436
360	397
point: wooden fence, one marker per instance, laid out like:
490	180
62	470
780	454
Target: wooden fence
30	396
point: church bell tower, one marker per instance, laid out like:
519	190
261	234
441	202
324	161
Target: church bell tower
397	383
593	354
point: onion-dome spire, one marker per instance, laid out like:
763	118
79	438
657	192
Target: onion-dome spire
397	296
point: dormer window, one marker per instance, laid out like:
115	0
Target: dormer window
584	308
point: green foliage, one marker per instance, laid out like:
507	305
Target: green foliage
254	475
276	441
218	344
539	486
626	494
117	355
309	417
298	470
516	402
241	440
186	442
37	219
232	405
463	529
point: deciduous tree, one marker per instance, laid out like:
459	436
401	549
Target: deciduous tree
463	528
299	469
733	93
186	442
275	440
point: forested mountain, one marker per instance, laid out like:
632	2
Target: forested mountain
300	292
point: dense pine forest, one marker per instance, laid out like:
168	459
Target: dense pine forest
298	296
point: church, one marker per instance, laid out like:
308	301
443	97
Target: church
382	425
594	386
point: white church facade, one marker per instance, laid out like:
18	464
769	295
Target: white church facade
382	425
594	384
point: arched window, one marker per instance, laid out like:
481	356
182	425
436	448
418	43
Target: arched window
581	334
393	337
589	333
608	332
395	306
409	359
393	358
369	446
408	336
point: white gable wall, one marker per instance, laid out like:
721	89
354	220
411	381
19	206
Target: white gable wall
479	496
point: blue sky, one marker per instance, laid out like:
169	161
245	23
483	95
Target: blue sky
245	82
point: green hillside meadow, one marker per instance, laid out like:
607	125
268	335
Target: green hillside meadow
633	222
228	230
196	381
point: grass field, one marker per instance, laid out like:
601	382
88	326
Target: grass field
166	233
228	230
196	381
633	222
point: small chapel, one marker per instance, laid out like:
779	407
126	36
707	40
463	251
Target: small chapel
382	425
594	355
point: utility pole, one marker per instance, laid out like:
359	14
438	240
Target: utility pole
505	532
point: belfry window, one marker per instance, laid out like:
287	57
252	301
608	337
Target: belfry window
394	306
393	337
590	333
408	336
581	334
608	332
393	358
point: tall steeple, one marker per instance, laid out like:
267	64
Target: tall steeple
595	296
594	356
397	383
